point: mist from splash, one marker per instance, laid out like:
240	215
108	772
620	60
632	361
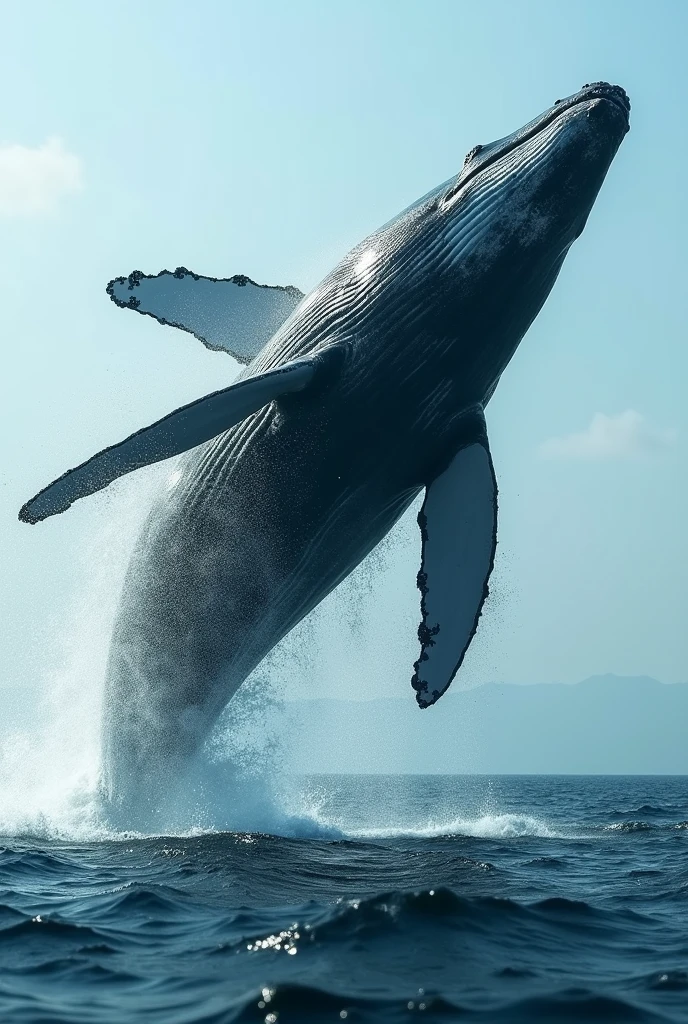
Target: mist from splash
49	771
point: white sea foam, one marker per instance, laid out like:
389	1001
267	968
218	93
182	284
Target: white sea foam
486	826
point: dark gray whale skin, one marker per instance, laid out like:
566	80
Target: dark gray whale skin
260	524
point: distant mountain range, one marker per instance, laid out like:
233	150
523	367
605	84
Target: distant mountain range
604	725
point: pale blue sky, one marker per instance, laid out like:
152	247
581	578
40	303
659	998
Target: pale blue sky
266	139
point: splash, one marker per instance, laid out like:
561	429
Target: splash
50	770
486	826
241	781
321	803
49	773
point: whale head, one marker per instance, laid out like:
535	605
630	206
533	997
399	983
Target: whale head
477	257
539	184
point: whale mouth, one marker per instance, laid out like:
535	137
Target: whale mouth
603	91
481	157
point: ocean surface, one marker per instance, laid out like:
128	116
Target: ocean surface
385	898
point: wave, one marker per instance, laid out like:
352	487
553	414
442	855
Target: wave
400	913
294	1004
303	1003
666	981
572	1006
484	826
199	943
645	809
50	930
416	921
645	826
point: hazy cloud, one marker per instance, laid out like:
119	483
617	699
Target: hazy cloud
33	180
625	436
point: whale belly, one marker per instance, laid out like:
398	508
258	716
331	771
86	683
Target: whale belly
257	527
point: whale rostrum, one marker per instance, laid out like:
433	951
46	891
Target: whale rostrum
351	401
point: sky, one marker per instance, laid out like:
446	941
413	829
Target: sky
266	139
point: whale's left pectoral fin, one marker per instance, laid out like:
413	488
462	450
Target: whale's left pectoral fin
458	521
232	314
179	432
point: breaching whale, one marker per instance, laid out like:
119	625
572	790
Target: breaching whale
354	399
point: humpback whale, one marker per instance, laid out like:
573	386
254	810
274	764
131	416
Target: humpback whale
353	399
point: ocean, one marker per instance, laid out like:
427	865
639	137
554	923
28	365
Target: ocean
371	899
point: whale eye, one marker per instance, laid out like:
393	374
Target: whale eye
471	153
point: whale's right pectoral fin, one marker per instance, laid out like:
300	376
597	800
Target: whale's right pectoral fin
458	521
232	314
180	431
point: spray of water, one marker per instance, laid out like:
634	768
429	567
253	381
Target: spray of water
49	770
49	773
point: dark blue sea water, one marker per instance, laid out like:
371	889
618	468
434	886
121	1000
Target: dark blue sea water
510	899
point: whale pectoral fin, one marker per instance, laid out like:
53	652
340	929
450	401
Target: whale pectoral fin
233	314
176	433
458	521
